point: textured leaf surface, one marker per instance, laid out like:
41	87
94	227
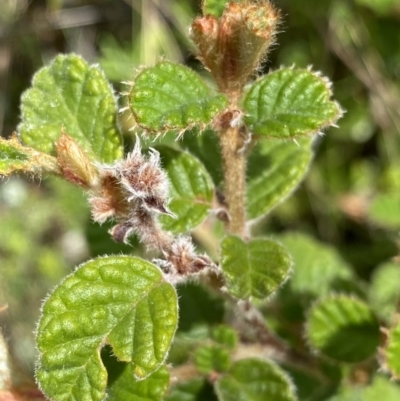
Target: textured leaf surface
318	268
15	157
205	147
125	388
255	380
275	169
191	190
289	103
212	358
343	328
392	351
225	335
384	291
256	268
123	301
71	95
170	96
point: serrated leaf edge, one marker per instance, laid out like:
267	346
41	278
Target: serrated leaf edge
328	85
276	241
98	350
275	366
180	132
315	351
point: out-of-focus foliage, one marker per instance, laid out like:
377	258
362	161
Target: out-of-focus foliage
349	200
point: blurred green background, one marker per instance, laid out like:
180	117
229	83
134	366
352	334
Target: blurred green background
350	198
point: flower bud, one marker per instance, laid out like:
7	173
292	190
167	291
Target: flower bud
74	163
233	46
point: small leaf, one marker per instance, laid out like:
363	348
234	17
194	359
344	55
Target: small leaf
71	95
191	190
170	96
290	103
392	351
225	335
212	358
125	388
256	268
343	328
123	301
213	7
255	380
318	268
384	291
275	169
15	157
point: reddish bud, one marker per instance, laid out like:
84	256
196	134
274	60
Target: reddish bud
108	200
183	259
233	46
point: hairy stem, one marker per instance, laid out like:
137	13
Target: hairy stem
234	164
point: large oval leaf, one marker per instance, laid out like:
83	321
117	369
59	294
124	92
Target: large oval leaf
191	190
171	96
289	103
73	96
255	380
343	328
256	268
123	301
275	169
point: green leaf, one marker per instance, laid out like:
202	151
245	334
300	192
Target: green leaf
392	351
73	96
212	358
275	169
256	268
290	103
318	268
15	157
255	380
125	388
205	147
384	291
225	335
343	328
213	7
123	301
191	190
385	210
170	96
122	385
382	389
